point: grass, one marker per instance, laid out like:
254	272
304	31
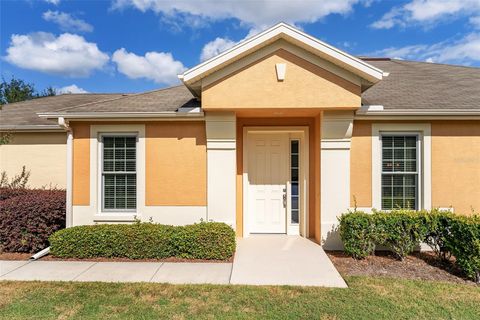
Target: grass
367	298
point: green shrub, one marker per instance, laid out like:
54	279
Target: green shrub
399	230
357	232
205	240
437	224
463	241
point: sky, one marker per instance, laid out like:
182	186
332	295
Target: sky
139	45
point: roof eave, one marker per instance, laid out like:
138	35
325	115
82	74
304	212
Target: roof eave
124	115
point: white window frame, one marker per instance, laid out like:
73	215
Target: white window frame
102	176
418	173
423	130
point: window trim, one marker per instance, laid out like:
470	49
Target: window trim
102	135
418	173
425	180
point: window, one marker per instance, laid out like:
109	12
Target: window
400	172
119	176
294	173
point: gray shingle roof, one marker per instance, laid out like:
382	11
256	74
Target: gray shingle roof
25	112
423	86
168	99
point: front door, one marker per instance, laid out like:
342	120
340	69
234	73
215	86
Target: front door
268	175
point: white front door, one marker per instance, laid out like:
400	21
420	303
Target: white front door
268	175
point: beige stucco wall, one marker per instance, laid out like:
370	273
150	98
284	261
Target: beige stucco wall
43	154
455	165
305	86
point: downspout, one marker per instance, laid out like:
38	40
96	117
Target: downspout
68	205
69	210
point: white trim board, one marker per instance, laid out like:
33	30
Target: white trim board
425	136
285	31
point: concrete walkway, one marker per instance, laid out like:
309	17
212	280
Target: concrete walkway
285	260
259	260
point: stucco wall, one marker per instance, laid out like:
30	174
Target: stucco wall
176	164
305	86
455	165
43	154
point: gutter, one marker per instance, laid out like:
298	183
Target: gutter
33	128
377	112
139	115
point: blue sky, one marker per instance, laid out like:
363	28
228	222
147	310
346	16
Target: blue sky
138	45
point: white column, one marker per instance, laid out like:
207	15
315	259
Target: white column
335	173
68	204
221	167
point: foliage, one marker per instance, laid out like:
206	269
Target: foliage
5	136
205	240
463	241
29	217
357	232
18	182
399	230
437	224
17	90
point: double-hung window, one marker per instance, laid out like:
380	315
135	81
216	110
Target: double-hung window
119	173
400	171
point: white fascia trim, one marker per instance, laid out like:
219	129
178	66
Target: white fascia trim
111	115
366	70
32	128
377	110
425	132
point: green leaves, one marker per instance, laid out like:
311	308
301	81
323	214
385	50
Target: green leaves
205	240
402	231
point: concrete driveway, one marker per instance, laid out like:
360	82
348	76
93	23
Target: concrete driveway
259	260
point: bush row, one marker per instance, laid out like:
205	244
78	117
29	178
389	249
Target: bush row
28	217
401	231
205	240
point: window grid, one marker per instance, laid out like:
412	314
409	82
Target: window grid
399	172
119	173
294	177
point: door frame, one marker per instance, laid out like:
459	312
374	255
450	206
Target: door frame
296	132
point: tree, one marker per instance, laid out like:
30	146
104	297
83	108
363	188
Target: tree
16	90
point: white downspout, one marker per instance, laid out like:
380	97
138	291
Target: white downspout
69	210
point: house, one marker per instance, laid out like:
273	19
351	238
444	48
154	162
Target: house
279	134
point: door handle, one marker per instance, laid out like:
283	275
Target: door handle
285	197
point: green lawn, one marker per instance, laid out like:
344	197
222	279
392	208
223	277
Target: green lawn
367	298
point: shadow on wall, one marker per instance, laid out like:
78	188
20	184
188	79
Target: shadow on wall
333	241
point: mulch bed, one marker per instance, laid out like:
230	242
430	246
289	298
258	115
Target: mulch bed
26	256
419	265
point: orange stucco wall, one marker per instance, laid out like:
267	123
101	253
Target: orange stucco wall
305	86
313	124
455	165
361	165
176	164
81	164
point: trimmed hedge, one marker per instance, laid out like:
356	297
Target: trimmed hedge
357	232
205	240
399	230
403	230
28	217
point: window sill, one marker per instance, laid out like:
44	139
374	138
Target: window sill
115	217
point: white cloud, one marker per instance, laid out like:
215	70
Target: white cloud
68	54
160	67
66	22
426	12
216	46
71	89
249	13
54	2
464	51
